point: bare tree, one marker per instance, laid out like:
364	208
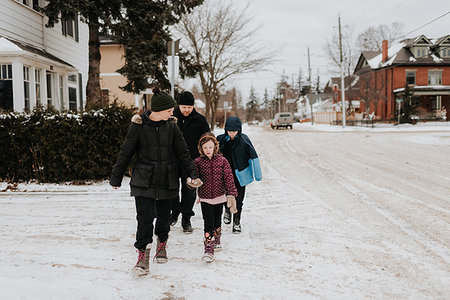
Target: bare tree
372	37
332	50
223	44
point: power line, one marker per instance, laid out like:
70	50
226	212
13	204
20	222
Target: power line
426	24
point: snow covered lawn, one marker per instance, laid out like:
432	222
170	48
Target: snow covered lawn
349	214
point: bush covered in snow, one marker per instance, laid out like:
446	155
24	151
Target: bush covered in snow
51	146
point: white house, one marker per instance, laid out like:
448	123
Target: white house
40	65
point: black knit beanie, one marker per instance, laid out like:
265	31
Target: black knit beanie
161	101
186	98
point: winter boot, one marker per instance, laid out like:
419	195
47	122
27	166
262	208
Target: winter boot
142	266
186	224
173	219
227	216
161	253
208	256
217	235
236	224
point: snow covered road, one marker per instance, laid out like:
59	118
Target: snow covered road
338	215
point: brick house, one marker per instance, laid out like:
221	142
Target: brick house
421	63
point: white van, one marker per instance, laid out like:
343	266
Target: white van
282	119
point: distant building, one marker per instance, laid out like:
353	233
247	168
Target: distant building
421	63
112	59
40	65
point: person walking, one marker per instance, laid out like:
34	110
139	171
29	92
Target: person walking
218	188
240	153
157	144
192	125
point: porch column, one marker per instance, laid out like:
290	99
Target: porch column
136	101
17	86
32	88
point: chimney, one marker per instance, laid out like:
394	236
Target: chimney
384	51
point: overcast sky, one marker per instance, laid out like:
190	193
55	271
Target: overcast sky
292	26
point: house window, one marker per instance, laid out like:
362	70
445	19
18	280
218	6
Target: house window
49	89
5	71
72	99
445	52
6	91
26	87
421	52
434	77
37	78
72	78
410	77
34	4
70	27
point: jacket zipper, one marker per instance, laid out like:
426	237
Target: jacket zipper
159	162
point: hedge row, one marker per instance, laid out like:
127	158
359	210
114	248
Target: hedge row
59	147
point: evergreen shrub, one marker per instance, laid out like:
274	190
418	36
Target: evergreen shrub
49	146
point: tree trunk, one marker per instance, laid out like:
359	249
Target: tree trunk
93	83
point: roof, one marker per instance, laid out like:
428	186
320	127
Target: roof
400	53
12	47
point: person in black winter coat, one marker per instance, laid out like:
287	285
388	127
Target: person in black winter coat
156	142
192	125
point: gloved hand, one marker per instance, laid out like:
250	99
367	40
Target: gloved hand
194	183
231	204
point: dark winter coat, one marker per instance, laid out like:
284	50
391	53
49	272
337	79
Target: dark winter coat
158	147
244	159
216	175
192	127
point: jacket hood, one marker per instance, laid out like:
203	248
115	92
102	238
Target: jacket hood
233	124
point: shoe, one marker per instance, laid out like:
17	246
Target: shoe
217	235
173	219
186	224
227	216
236	228
208	256
161	253
142	266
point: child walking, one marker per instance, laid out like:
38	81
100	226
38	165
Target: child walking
240	153
218	187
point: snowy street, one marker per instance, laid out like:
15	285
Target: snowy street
352	214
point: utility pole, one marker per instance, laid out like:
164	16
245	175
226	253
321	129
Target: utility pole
173	48
310	89
342	75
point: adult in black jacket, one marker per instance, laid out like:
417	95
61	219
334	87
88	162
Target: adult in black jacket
158	146
192	125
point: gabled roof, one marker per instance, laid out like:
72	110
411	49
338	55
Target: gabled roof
443	40
420	40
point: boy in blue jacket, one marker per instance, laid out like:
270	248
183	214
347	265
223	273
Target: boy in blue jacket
237	148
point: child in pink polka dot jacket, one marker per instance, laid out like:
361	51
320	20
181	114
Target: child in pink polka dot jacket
218	187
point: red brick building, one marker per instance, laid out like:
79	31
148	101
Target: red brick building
421	63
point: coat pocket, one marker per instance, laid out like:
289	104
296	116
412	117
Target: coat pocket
142	176
172	174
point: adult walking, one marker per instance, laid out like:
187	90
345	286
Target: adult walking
192	125
237	148
157	145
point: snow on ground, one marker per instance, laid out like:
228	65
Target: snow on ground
349	214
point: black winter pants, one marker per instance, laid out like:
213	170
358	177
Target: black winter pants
212	216
147	209
184	205
239	203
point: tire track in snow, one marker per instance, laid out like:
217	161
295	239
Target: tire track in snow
441	250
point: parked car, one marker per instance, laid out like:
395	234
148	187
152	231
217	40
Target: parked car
282	119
